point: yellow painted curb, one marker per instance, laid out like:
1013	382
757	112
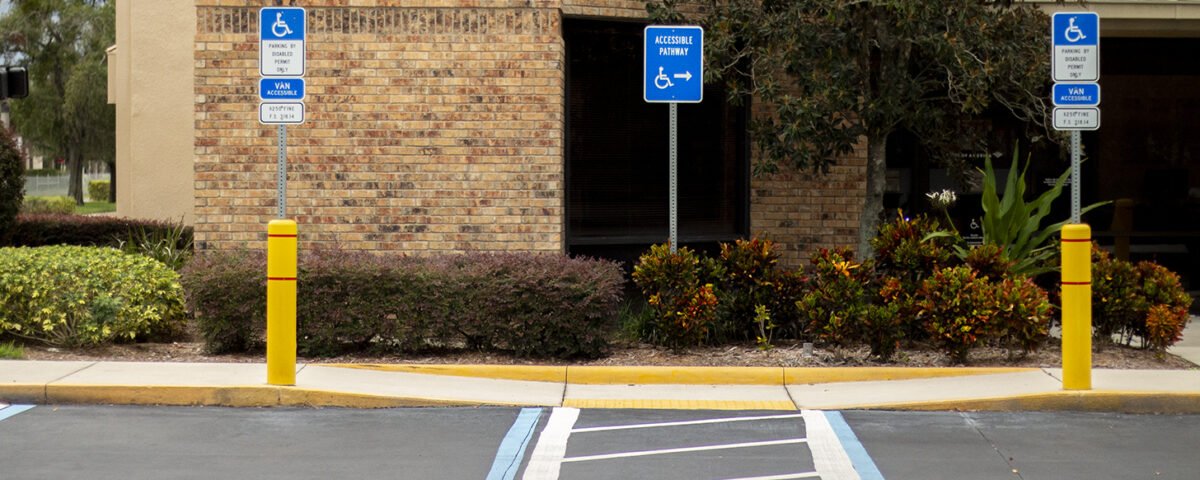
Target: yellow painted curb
1078	401
236	396
529	373
660	375
812	375
680	404
23	393
675	375
300	397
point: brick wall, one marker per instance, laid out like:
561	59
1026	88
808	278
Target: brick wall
427	128
805	212
432	125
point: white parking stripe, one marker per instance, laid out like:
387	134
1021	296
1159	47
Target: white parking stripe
7	411
789	476
546	460
691	422
830	458
681	450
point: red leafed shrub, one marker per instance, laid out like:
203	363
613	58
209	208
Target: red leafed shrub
955	305
1023	313
1127	298
1164	326
526	304
684	307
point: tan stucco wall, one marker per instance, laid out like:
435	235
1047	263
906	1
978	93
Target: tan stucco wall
153	88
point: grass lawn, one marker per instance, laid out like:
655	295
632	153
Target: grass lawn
96	207
10	351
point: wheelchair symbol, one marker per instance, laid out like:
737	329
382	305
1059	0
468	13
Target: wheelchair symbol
280	28
662	81
1073	33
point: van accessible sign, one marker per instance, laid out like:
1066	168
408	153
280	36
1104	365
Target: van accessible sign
276	89
1076	94
674	64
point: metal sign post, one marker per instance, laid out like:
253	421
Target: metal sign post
673	73
1075	45
1076	62
281	173
281	52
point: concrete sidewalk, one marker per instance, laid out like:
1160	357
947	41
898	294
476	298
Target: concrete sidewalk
370	386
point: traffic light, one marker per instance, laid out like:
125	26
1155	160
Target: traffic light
14	82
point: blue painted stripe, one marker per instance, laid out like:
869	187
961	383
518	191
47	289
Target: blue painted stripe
854	449
512	449
11	410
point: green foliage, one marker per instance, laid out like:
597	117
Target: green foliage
766	328
1016	226
825	73
58	205
955	307
171	245
43	172
748	276
1022	313
81	296
36	230
528	305
685	309
988	259
98	190
1164	326
12	181
836	296
1145	300
11	351
909	250
62	44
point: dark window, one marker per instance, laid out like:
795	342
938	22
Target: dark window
617	153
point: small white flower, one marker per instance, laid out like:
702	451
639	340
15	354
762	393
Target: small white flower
943	199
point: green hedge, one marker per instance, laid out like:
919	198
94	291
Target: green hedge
98	190
59	205
525	304
87	230
81	296
45	172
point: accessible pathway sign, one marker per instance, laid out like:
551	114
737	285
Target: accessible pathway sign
673	71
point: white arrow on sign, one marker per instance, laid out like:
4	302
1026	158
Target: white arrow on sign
685	75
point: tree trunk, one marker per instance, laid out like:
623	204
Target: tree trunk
75	180
868	221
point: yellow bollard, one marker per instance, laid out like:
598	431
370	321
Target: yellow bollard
1077	307
281	302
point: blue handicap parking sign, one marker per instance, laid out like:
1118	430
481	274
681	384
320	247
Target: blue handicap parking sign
674	64
281	23
1076	28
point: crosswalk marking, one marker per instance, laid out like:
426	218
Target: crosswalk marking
7	411
546	461
689	422
684	449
